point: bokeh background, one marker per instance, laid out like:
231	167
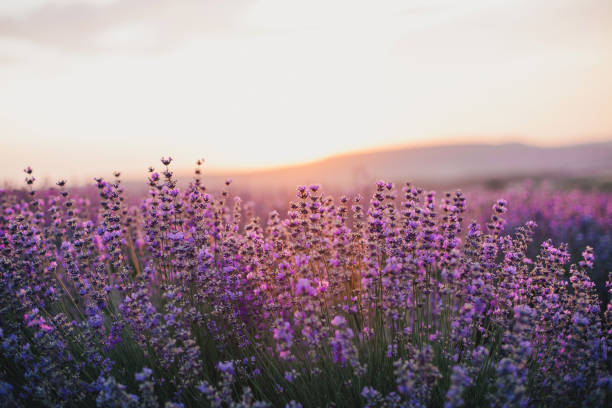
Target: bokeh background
91	86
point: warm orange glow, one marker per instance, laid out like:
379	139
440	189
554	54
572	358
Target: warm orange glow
268	83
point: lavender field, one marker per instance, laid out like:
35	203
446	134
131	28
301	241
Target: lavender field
394	300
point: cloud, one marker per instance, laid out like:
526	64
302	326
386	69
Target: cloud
94	26
87	27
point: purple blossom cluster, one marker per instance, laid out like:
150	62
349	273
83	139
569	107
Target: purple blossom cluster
577	218
190	299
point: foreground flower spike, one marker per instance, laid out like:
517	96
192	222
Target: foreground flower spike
390	297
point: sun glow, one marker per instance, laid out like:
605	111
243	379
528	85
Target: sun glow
271	83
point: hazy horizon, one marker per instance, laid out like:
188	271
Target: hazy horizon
299	172
90	86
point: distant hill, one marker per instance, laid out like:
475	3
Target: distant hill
433	165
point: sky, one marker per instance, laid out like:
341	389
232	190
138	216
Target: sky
92	86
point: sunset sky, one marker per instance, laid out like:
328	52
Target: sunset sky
90	86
